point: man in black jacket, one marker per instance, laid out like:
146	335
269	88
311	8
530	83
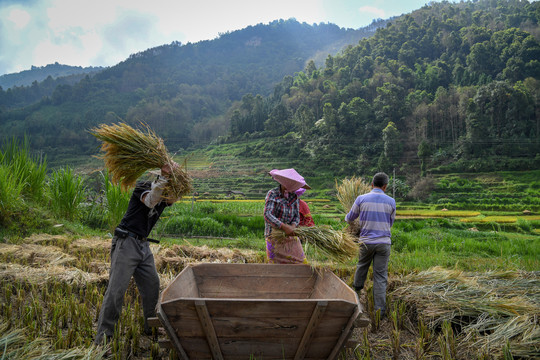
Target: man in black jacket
131	255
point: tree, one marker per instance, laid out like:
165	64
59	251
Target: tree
424	151
392	143
279	121
310	68
304	120
330	121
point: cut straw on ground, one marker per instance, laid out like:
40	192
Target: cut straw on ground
492	308
129	153
338	245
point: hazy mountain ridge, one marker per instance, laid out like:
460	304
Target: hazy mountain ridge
181	90
448	87
40	73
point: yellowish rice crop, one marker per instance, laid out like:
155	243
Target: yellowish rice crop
491	308
347	192
129	153
337	245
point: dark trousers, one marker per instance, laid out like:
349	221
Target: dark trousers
129	257
379	255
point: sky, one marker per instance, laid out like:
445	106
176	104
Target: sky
105	32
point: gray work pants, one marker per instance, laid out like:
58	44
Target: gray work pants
129	257
379	255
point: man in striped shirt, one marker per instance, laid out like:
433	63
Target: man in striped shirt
376	212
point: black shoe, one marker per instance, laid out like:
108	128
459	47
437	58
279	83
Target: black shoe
103	340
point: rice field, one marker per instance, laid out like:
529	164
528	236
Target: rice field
463	282
52	287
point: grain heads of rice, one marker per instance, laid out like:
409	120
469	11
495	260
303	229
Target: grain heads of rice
347	192
128	153
337	245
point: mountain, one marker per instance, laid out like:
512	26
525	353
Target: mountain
182	91
38	74
448	87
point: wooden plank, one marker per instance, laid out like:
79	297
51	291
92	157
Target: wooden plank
204	317
197	348
171	333
329	286
184	285
185	308
320	348
312	325
253	270
165	344
344	335
238	328
260	348
285	348
270	287
153	322
218	293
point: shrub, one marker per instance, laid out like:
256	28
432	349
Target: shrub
117	202
67	192
422	189
31	170
10	193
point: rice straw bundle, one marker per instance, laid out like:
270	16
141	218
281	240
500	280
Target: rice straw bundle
337	245
129	153
347	192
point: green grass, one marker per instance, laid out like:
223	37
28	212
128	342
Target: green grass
67	191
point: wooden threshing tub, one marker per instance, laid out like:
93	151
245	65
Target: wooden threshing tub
247	311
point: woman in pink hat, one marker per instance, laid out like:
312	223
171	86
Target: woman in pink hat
281	211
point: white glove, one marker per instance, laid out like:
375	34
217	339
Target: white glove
152	197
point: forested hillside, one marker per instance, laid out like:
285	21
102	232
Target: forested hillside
181	90
449	87
37	74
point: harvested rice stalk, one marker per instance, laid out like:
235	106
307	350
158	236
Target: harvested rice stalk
347	192
129	153
491	308
337	245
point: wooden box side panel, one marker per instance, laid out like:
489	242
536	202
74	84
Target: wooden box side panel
183	318
254	281
333	325
184	285
328	286
245	328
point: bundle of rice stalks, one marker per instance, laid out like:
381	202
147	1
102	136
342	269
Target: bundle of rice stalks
491	308
349	189
338	245
347	192
33	275
129	153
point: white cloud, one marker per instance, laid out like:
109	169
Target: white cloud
19	17
105	32
372	10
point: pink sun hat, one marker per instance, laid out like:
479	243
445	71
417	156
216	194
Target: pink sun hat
290	179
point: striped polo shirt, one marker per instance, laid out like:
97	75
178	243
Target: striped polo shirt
376	212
